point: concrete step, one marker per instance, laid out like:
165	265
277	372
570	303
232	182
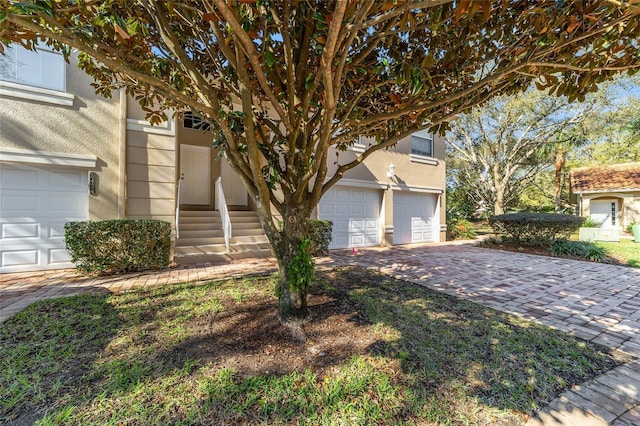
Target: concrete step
199	241
200	233
246	225
247	239
198	219
199	226
200	249
218	253
199	213
247	232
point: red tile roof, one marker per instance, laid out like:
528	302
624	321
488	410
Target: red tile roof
615	177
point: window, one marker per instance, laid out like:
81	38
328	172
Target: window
40	68
613	214
192	121
422	144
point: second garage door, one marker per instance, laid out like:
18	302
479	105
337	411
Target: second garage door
355	214
35	203
413	220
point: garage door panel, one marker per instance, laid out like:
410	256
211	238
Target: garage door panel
65	205
20	230
63	179
413	218
56	230
20	258
18	178
355	216
35	204
58	256
18	205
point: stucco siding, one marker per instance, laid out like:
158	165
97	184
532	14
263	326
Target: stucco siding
89	127
151	176
628	205
423	175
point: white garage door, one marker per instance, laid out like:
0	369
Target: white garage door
413	217
35	203
355	214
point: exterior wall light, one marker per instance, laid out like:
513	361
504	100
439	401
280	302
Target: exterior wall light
392	171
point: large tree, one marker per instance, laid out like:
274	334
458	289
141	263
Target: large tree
497	149
615	134
284	81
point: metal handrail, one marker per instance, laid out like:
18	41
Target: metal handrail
221	205
178	199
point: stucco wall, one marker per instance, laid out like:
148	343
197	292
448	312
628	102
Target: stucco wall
409	174
628	206
89	127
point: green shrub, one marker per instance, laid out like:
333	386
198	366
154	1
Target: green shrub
629	227
460	229
535	228
118	246
587	250
590	223
320	235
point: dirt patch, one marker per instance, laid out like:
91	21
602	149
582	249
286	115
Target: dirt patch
247	336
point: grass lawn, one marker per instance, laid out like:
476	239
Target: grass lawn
626	251
377	351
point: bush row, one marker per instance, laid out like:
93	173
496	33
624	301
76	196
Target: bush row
122	246
118	246
535	228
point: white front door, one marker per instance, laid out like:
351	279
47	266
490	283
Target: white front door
195	167
355	214
604	212
413	218
235	193
35	203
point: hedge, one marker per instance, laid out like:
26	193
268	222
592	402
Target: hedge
535	228
118	246
320	234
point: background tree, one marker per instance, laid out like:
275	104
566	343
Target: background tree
497	149
284	81
614	134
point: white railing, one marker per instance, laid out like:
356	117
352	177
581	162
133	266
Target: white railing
178	199
221	205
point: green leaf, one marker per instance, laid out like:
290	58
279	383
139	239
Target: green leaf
269	58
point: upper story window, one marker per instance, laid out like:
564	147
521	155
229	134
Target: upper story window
42	68
192	121
422	144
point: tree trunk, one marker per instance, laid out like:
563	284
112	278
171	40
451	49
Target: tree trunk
295	267
498	205
560	160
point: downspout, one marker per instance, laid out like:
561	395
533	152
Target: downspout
122	138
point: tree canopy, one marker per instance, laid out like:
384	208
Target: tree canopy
285	80
496	150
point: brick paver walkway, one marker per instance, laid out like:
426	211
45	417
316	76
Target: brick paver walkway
596	302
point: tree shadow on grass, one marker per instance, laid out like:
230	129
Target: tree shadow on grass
378	350
47	348
457	347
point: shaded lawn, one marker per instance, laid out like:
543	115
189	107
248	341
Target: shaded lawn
379	351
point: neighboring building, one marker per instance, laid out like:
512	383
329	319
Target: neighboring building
609	195
67	154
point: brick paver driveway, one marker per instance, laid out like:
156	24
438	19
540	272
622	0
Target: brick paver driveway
596	302
593	301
